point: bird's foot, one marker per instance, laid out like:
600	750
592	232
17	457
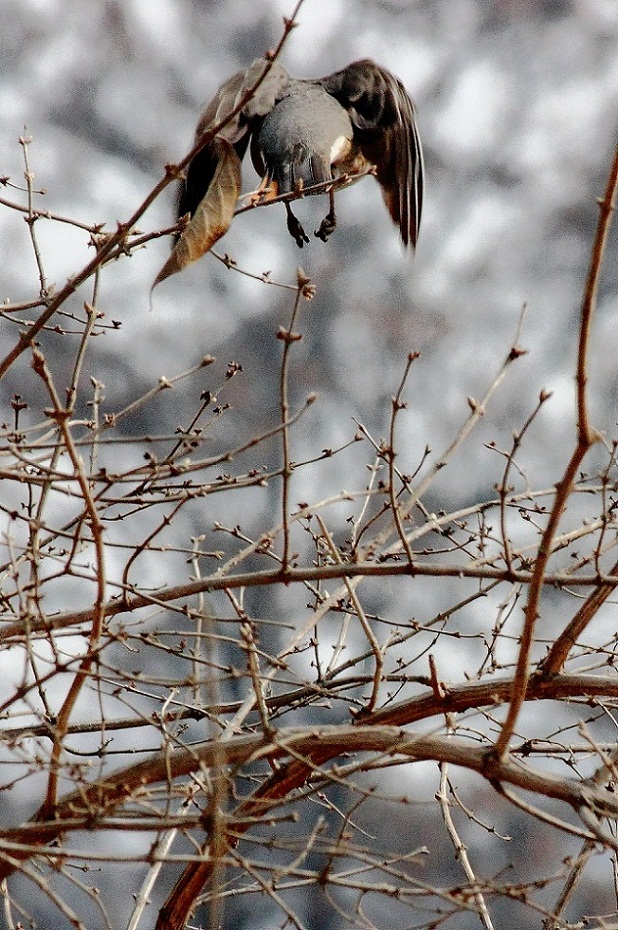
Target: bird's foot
268	190
258	197
295	230
327	227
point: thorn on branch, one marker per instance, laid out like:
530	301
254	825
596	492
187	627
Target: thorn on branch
306	288
437	686
287	336
233	368
173	172
475	407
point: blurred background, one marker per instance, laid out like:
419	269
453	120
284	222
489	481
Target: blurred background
517	103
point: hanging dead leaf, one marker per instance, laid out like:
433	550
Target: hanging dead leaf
213	216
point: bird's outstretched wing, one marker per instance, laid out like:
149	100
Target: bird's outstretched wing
237	131
201	169
213	178
385	129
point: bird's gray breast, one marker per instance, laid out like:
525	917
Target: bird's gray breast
302	136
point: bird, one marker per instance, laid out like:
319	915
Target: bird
301	133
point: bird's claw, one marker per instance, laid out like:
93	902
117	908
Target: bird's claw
327	227
296	230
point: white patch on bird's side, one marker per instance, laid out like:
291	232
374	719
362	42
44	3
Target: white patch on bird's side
339	149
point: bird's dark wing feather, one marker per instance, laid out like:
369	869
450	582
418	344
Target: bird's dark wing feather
385	129
201	169
237	131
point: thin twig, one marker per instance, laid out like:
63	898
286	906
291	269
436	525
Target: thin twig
461	850
288	337
397	404
32	217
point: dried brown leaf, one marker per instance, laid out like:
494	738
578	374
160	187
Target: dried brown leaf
213	216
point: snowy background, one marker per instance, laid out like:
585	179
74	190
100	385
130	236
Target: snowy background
517	103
